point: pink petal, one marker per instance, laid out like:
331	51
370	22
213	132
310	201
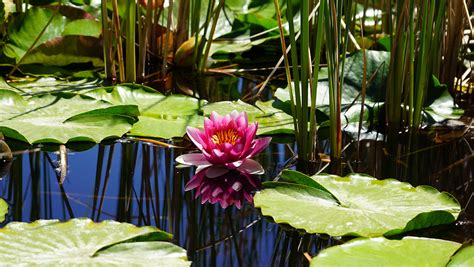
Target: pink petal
250	166
249	138
215	117
194	182
202	167
216	171
217	191
259	145
234	165
237	186
242	121
235	114
195	136
196	159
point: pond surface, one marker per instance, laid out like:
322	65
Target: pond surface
139	182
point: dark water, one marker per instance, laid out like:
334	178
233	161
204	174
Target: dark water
138	183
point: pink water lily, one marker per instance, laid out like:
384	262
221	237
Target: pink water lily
226	143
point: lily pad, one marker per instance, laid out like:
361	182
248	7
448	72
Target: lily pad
84	242
45	85
464	257
379	251
58	119
270	119
3	209
357	205
160	116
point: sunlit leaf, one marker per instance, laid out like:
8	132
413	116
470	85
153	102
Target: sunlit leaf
83	242
365	206
84	27
3	209
25	28
160	116
464	257
270	119
56	119
410	251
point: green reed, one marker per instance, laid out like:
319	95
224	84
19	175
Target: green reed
336	49
303	76
415	57
329	20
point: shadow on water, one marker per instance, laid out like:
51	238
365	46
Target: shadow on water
139	182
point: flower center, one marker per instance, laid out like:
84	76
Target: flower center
225	136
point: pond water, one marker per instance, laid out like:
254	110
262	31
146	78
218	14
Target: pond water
139	182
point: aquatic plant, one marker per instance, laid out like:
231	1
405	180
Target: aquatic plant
43	242
232	188
357	205
227	142
408	251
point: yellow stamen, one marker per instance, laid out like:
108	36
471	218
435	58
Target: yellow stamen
225	136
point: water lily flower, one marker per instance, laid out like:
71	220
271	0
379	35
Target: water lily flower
232	188
226	143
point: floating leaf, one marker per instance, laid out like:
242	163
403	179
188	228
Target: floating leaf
55	119
160	116
365	206
410	251
464	257
83	242
49	84
3	209
270	119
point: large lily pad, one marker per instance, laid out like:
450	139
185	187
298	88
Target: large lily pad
379	251
58	119
160	116
3	209
357	205
270	119
83	242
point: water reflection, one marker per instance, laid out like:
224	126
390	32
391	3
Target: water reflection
6	158
234	187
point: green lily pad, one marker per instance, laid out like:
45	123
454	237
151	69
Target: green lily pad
270	119
84	242
3	209
464	257
379	251
357	205
58	119
160	116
